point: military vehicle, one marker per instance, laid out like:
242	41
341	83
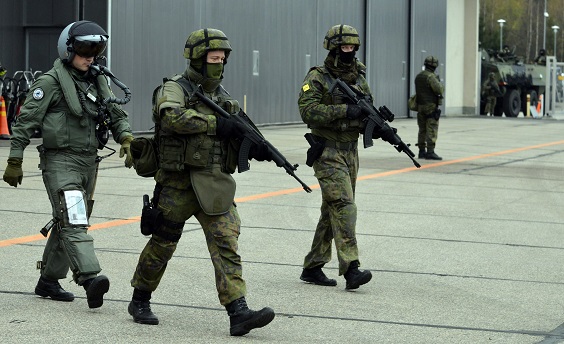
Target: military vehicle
516	79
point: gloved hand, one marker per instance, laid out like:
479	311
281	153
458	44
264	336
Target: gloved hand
126	150
354	111
13	174
229	128
260	152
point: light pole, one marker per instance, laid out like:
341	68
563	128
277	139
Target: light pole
501	22
555	28
544	27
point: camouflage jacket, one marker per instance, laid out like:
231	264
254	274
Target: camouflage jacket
325	113
429	91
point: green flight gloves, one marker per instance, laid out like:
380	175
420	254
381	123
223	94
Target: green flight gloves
13	174
126	150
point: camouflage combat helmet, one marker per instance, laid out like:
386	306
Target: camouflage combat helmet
431	61
201	41
341	35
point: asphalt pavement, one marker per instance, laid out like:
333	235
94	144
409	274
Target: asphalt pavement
469	249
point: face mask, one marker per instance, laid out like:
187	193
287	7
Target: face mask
214	70
347	57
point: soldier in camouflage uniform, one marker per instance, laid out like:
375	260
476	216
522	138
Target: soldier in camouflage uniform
198	153
429	92
63	103
337	125
490	90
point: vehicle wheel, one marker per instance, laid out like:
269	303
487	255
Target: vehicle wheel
512	103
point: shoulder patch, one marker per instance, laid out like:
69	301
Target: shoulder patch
305	87
38	93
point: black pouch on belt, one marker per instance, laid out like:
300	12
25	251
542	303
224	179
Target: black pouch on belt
315	150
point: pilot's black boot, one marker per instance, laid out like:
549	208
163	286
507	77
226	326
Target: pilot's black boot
316	276
95	290
355	277
242	319
52	289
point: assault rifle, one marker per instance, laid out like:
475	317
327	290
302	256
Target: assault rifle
376	121
252	137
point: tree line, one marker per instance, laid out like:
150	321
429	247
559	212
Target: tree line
524	30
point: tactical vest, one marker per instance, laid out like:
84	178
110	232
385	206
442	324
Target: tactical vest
425	94
336	98
178	152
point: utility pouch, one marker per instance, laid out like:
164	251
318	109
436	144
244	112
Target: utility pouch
144	154
317	145
151	218
412	103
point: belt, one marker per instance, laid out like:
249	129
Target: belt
342	145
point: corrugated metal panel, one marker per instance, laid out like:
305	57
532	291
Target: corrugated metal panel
274	43
388	54
428	32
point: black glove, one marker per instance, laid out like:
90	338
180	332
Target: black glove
229	128
354	111
260	152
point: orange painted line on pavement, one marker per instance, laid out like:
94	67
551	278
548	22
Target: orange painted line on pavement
115	223
37	237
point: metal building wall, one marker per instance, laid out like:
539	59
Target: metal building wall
428	35
147	40
388	53
274	44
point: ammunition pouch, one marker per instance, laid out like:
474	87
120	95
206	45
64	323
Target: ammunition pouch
145	156
192	150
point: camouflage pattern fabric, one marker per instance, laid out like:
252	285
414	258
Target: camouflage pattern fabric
221	231
336	170
428	132
490	104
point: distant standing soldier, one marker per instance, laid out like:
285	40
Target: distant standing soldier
429	92
490	90
541	58
336	125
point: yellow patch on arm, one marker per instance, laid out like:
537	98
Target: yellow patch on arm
305	87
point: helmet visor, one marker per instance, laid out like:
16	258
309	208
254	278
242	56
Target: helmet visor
89	47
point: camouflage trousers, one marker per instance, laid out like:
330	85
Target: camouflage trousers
428	132
221	232
336	170
490	105
68	246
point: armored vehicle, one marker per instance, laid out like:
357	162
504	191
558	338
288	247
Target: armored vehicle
516	79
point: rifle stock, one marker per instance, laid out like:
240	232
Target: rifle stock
376	121
253	137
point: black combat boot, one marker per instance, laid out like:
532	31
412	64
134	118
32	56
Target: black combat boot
95	290
140	308
316	276
355	277
242	319
422	154
431	155
52	289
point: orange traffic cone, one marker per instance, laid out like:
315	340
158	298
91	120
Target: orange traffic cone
4	132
